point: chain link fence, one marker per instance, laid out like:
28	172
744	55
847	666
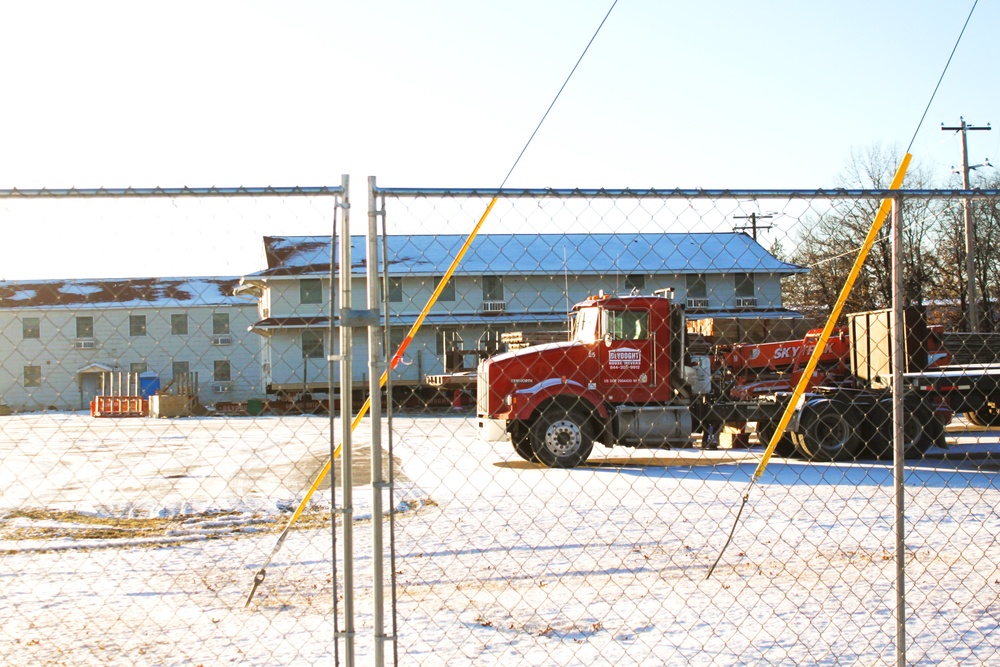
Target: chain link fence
570	466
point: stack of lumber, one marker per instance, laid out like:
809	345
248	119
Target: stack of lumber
516	340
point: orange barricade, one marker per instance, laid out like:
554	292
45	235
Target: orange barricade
119	406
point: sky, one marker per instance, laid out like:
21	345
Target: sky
444	94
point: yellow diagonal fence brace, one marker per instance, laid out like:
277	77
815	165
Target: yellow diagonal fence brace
259	578
402	348
800	387
838	307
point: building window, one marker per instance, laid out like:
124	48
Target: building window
137	325
744	285
222	371
178	324
492	340
220	324
448	339
180	369
32	376
396	337
31	327
696	286
448	291
85	327
492	288
312	344
635	282
138	367
310	290
395	290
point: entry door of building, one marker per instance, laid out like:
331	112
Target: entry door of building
90	386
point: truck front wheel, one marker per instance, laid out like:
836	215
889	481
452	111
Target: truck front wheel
521	440
561	438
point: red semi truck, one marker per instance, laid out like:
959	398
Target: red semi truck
627	378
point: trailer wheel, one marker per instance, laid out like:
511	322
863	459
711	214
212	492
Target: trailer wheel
919	427
827	432
786	446
561	438
988	415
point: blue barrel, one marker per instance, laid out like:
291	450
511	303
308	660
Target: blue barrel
149	384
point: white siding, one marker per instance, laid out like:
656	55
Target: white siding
60	361
537	295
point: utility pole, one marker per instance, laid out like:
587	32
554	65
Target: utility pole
753	218
970	228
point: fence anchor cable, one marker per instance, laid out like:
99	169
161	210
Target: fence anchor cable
838	307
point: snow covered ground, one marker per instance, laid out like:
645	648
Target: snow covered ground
135	542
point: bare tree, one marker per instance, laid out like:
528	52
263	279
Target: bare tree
987	214
828	242
950	255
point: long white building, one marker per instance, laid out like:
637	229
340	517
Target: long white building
268	332
523	282
60	338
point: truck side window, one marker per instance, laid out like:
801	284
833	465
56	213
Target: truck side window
628	325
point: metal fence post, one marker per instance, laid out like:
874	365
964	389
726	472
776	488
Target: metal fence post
898	418
375	370
346	410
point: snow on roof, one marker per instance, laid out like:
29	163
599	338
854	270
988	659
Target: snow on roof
124	292
525	254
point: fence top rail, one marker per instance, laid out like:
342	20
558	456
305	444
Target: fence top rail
680	193
97	193
504	193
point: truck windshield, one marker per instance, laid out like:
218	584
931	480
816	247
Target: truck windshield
586	326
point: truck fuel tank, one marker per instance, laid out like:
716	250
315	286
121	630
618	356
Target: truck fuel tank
654	426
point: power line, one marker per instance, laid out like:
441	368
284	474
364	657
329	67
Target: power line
553	103
941	78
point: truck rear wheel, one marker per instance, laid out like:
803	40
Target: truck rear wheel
561	438
988	415
919	427
785	448
827	431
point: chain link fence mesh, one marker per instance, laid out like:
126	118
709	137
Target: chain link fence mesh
561	503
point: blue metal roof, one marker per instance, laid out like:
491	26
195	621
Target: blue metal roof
541	254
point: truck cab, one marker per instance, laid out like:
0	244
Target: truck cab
620	379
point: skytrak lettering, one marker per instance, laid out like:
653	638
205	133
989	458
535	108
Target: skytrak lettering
792	350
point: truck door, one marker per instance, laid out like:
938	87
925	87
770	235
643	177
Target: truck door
627	372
